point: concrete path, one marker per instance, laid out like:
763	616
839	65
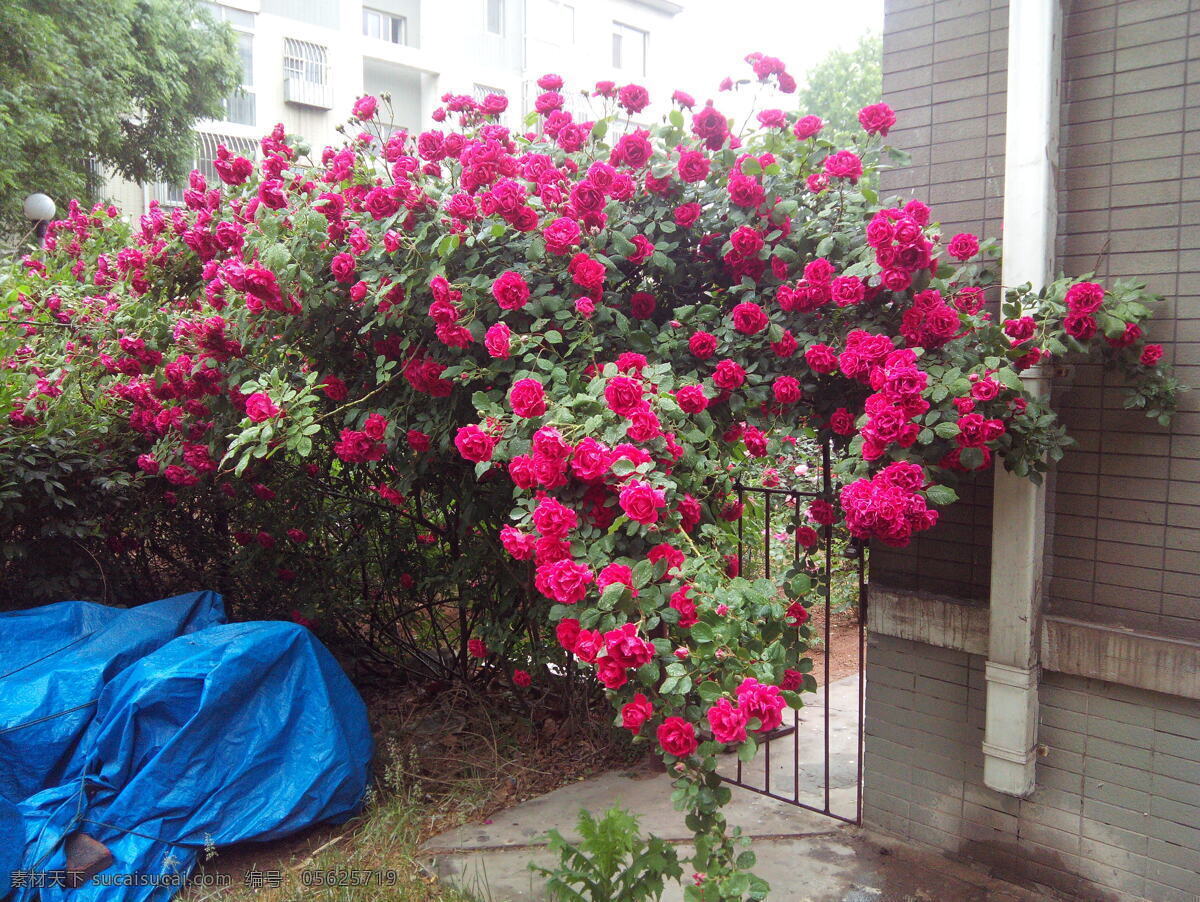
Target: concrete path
806	857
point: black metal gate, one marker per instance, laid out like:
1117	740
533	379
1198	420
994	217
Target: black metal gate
826	779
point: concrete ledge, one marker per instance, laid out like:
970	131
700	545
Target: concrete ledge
1138	659
928	619
1145	660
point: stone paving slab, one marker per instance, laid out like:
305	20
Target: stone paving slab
806	857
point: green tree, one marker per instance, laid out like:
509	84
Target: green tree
95	86
843	83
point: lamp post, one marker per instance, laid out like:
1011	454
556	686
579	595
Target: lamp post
39	209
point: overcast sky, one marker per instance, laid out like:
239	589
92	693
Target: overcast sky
711	38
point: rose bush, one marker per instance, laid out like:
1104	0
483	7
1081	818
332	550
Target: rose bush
537	363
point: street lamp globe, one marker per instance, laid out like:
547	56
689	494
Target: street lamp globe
39	208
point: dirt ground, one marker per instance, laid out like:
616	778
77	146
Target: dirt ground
843	645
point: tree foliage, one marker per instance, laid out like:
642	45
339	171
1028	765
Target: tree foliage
843	83
89	86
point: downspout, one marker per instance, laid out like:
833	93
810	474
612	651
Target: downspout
1019	507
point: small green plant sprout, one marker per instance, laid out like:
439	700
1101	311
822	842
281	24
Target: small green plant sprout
611	861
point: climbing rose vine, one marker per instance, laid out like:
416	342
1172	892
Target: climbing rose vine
605	326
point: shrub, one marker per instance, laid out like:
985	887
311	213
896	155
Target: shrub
506	382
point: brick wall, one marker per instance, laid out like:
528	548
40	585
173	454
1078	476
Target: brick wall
1124	546
944	71
1116	815
1126	542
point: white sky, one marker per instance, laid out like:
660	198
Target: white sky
711	38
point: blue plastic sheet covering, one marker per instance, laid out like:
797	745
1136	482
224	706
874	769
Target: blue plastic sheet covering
55	660
236	732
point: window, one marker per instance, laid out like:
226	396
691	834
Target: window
306	74
206	155
629	49
494	16
240	105
385	26
238	18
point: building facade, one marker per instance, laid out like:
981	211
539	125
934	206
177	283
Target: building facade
305	62
1115	809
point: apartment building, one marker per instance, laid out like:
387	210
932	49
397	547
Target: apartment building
305	62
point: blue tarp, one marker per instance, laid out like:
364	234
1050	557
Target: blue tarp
55	660
236	732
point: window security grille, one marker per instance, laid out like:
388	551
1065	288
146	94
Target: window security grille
306	78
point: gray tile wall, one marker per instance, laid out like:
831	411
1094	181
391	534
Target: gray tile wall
1126	542
1124	545
1116	815
944	71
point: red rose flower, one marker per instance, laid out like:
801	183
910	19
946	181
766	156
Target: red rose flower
498	341
702	345
963	246
259	407
786	390
343	266
807	126
729	375
474	444
691	398
686	215
749	318
728	723
641	502
841	422
527	398
876	119
636	713
677	737
511	291
623	395
821	358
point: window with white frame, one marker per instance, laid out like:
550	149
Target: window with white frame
240	105
629	49
385	26
493	16
306	74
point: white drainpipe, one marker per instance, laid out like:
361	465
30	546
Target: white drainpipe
1019	506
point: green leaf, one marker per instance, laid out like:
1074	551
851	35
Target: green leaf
946	429
941	495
